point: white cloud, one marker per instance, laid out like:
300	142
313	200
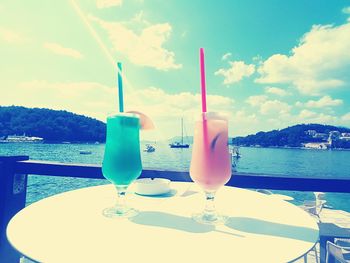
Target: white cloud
269	106
346	10
307	114
280	121
64	96
320	118
304	116
144	49
167	109
163	105
256	100
244	116
60	50
277	115
325	101
243	123
299	104
236	72
108	3
318	63
97	100
274	107
226	56
276	91
346	117
10	36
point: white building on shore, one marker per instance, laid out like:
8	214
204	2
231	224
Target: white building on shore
317	145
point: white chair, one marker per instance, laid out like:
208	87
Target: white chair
343	242
314	208
340	253
319	195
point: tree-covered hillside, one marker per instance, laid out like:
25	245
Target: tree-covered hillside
52	125
292	136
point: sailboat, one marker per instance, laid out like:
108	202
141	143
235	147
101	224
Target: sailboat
180	144
149	148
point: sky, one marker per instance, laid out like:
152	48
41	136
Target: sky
269	64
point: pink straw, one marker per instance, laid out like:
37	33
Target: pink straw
204	98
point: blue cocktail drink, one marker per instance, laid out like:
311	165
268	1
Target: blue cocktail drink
122	158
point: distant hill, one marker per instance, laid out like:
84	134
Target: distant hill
292	136
52	125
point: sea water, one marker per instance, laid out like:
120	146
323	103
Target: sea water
292	162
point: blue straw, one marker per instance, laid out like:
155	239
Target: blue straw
120	87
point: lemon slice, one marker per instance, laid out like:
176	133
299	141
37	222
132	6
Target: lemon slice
145	122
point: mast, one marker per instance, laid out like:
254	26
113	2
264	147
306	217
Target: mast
182	131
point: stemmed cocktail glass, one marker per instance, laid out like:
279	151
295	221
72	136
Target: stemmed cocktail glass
122	159
211	163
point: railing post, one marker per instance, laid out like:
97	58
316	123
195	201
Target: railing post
12	199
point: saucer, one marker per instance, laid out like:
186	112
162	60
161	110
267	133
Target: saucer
152	186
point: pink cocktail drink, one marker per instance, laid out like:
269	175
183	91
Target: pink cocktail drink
211	162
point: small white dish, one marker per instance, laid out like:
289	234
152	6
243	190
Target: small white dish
152	186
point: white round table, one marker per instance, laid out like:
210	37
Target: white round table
70	227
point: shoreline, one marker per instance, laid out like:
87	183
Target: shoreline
291	147
50	142
233	145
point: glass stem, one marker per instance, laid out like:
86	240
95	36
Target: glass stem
209	210
120	204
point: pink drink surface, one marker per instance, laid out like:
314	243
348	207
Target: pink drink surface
211	162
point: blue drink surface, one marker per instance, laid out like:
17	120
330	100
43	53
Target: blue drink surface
122	157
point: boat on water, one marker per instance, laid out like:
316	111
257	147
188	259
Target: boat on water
85	152
149	148
22	138
180	144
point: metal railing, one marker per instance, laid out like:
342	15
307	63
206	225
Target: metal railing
14	171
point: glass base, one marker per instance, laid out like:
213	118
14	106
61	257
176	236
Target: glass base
125	212
210	219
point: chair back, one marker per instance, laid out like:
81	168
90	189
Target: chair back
341	254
